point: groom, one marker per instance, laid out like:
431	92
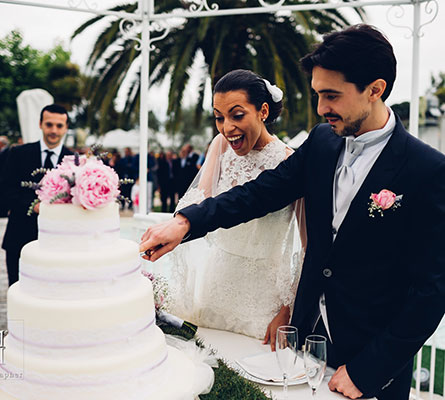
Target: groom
373	278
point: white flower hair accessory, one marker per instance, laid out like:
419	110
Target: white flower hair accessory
274	90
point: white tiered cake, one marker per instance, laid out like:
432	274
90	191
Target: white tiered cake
81	319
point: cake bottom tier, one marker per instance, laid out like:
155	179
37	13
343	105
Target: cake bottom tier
172	379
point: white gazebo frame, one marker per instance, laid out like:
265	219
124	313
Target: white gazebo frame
155	27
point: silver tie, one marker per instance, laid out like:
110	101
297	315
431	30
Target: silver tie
345	174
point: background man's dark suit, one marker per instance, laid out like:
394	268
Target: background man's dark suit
21	228
187	173
166	182
383	277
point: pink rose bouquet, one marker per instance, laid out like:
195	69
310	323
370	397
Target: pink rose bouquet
95	185
54	188
70	164
81	180
160	290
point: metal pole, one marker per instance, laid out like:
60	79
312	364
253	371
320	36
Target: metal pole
414	104
144	7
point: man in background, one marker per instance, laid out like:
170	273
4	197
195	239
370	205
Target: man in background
20	163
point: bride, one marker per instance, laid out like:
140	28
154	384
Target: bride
250	272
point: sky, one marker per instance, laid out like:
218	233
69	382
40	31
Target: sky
42	28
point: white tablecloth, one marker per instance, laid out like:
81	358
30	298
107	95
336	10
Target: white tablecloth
231	346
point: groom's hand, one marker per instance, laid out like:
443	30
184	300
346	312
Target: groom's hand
342	383
162	238
282	318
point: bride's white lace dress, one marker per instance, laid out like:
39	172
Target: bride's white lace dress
237	279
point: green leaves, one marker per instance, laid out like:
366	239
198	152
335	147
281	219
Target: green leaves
270	44
23	68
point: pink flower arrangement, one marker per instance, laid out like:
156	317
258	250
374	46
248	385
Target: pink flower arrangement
160	290
384	200
96	185
84	181
54	188
68	165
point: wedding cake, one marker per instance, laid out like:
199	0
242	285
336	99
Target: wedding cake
81	319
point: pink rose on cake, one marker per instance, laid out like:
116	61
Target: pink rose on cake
54	189
96	185
68	165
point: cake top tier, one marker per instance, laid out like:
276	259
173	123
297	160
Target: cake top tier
65	227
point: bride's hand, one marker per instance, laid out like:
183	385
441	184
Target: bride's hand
282	318
162	238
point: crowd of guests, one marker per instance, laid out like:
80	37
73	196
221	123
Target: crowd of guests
168	173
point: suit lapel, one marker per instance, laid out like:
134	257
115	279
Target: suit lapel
36	156
379	177
64	152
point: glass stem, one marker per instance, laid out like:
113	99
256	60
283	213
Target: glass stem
285	386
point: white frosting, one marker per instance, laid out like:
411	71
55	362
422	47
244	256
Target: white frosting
81	318
81	314
172	380
103	272
66	227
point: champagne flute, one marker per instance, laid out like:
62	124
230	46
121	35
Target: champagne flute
286	352
315	357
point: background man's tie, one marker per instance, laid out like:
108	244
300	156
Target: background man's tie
48	164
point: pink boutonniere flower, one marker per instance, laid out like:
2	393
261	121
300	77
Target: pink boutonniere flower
385	200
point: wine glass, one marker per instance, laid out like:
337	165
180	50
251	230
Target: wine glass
286	352
315	360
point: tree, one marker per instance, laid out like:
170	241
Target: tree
270	44
22	68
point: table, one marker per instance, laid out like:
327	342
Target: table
231	346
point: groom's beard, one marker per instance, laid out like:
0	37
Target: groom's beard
351	127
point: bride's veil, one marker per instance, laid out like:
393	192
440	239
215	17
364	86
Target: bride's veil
188	260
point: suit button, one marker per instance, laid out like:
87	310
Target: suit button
327	272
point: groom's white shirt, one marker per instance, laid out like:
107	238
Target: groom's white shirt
360	167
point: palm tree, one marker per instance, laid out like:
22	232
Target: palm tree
270	44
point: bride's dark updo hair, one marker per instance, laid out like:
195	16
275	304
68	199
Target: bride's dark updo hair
254	86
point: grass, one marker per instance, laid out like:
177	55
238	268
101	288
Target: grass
439	368
228	384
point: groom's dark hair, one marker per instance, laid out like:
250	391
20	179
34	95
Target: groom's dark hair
361	53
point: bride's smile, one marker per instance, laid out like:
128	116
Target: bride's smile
240	122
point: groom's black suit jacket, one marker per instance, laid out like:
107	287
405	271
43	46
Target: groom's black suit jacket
383	277
21	162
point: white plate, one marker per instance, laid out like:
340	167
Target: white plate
251	378
264	366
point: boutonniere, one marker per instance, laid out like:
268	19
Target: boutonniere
385	200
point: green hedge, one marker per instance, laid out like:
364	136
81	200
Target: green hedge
228	384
